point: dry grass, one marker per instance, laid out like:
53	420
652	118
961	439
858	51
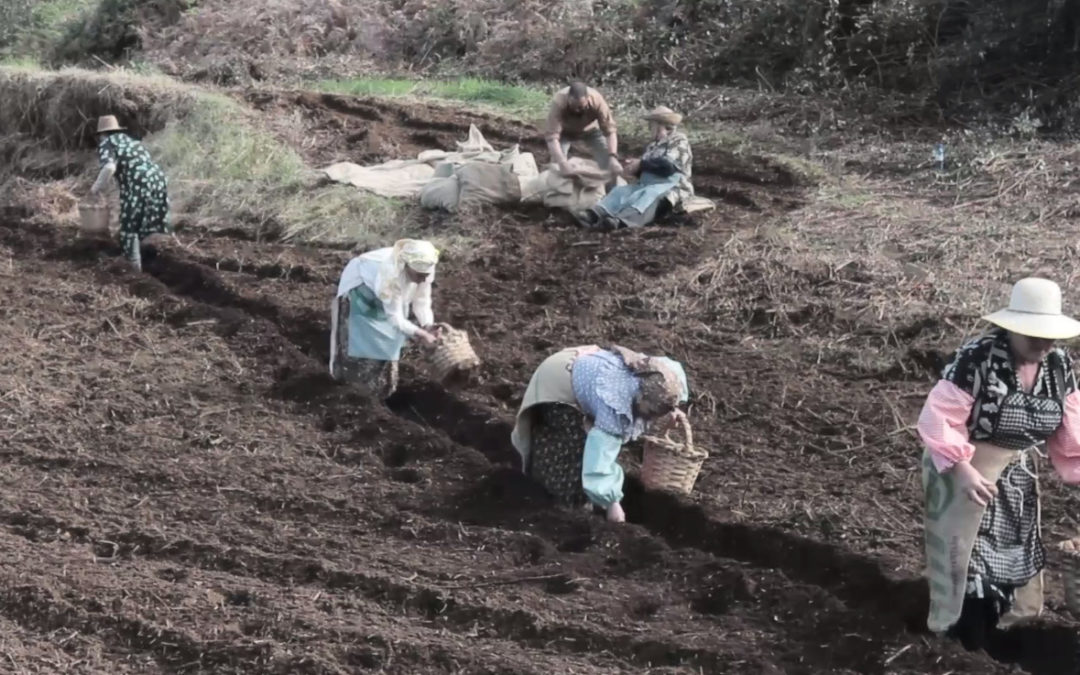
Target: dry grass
62	107
874	267
224	167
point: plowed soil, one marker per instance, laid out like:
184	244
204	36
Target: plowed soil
186	490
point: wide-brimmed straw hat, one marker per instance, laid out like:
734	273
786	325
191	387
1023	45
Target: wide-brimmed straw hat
1035	311
108	123
664	115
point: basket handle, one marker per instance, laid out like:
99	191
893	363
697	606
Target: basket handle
685	422
688	434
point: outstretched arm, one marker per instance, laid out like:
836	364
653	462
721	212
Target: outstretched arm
601	476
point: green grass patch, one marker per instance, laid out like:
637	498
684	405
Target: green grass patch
513	99
224	169
20	62
43	26
55	13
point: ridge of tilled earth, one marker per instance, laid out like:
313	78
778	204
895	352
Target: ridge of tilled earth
432	565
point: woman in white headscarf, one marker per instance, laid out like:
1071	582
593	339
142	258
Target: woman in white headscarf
370	316
1004	396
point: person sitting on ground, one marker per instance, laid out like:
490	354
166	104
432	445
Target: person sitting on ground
144	199
579	113
1003	395
369	316
663	184
582	404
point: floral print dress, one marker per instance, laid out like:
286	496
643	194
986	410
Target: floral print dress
144	200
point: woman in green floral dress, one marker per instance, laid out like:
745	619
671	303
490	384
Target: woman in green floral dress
144	199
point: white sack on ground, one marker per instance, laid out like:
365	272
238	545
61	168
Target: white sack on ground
486	184
577	193
697	204
441	193
407	177
397	178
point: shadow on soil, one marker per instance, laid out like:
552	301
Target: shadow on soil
1040	648
859	581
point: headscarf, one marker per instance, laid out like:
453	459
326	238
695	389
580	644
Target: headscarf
416	254
662	382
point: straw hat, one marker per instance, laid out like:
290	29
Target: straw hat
664	115
1035	311
108	123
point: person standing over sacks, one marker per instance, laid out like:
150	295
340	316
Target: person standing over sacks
579	113
581	406
369	317
144	199
1003	395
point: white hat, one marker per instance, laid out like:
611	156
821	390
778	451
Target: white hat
1035	311
108	123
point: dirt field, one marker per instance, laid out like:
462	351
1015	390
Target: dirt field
186	490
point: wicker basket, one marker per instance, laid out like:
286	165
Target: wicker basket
94	219
672	465
1071	573
453	355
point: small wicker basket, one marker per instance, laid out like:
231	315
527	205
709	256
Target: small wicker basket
672	465
453	355
94	219
1071	573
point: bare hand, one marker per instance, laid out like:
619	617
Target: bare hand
426	337
615	513
567	171
616	168
973	484
633	167
669	420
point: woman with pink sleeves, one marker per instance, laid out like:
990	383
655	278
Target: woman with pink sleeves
1003	396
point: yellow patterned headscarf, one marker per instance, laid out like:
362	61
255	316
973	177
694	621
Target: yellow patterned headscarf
417	254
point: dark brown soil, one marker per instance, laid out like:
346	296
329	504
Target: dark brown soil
186	490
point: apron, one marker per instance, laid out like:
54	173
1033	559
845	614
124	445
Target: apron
552	382
370	333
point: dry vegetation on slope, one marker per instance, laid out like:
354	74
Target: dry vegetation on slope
185	490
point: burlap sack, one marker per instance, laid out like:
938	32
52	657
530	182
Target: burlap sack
951	525
482	184
441	193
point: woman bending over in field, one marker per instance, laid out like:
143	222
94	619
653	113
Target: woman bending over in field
369	317
144	199
581	406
